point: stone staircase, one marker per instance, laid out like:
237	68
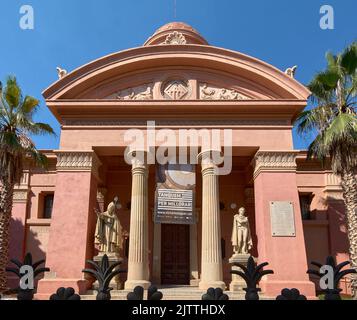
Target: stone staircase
169	292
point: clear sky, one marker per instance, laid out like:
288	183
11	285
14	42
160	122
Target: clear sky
70	33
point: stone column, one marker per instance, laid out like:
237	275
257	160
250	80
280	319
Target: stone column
138	261
211	258
275	181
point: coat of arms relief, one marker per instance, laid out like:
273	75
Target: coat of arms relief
178	89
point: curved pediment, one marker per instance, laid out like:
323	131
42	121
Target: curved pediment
177	72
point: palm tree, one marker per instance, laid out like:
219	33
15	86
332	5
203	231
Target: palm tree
334	122
16	124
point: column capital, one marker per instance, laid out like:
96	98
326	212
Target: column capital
268	161
78	161
139	158
209	158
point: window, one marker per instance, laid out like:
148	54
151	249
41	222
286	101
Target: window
305	202
48	205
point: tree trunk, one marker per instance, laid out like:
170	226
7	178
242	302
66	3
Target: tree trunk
6	193
349	186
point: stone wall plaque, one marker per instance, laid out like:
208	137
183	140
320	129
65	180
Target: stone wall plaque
282	219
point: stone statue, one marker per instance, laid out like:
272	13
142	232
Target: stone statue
108	231
61	72
241	236
291	71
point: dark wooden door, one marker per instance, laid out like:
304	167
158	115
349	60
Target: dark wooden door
175	254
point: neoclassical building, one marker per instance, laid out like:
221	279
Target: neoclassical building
179	81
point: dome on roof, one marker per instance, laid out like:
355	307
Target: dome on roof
176	33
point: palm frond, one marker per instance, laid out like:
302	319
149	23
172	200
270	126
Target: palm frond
29	105
349	59
12	92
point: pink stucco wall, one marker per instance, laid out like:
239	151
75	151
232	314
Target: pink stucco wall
72	231
286	255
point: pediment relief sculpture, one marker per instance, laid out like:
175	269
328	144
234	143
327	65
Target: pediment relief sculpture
144	92
213	93
175	89
175	38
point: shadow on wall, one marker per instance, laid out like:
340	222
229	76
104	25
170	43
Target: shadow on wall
21	242
328	239
338	228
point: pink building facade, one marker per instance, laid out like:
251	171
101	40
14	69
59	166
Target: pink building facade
179	81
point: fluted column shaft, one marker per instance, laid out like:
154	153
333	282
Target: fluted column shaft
211	257
138	261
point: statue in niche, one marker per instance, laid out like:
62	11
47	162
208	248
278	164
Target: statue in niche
108	231
241	236
207	93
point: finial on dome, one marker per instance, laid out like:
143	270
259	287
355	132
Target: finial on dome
176	33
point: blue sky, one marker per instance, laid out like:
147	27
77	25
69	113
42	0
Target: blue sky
70	33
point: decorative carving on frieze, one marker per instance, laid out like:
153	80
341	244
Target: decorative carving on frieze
208	92
332	180
274	161
143	92
24	181
175	38
175	89
20	195
77	161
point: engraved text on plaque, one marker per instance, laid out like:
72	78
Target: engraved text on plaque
282	219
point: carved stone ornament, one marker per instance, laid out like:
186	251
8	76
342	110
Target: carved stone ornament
274	161
213	93
78	161
175	38
20	195
175	89
144	92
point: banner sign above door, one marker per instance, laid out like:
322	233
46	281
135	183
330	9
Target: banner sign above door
175	194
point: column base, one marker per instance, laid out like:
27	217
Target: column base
47	287
131	284
212	284
272	288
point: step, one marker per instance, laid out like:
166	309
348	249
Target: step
169	293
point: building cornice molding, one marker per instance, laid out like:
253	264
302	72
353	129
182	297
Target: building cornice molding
273	161
176	123
168	55
78	161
